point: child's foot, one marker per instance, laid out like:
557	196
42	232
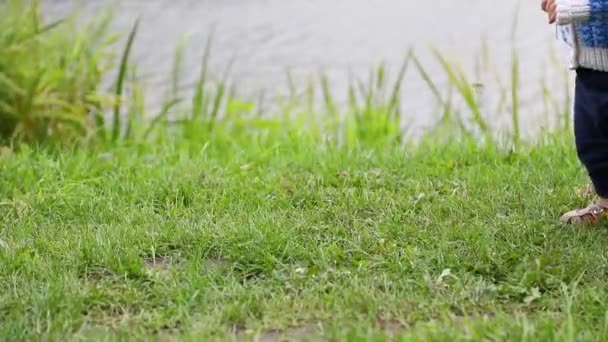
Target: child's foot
586	216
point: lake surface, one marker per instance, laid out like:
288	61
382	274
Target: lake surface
342	38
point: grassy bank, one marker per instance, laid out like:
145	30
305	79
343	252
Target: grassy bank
298	238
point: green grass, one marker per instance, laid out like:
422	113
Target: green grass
229	239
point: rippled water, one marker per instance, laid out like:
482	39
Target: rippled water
340	37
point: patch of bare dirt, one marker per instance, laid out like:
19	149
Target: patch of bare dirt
216	264
159	263
305	332
96	274
391	325
291	334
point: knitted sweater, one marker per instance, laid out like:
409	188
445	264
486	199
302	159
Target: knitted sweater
583	24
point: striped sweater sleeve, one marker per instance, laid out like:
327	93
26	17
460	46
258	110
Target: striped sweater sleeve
576	11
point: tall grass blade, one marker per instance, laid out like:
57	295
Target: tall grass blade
137	108
515	79
330	106
121	79
353	103
40	31
198	105
515	98
468	94
162	115
567	103
291	85
260	110
176	74
394	101
219	95
426	77
310	96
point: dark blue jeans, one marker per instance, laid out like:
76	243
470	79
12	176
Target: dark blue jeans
591	125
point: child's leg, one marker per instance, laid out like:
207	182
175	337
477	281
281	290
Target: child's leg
591	132
591	126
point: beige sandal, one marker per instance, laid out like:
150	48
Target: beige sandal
589	215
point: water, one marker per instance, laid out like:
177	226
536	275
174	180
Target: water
341	38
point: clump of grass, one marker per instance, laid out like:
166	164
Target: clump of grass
374	111
50	74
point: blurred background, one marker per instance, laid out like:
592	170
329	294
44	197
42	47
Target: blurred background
345	40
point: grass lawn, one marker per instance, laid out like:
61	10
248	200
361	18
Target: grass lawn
298	240
276	235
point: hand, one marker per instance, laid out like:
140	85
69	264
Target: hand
550	6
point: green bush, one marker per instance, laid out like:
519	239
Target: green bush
50	76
